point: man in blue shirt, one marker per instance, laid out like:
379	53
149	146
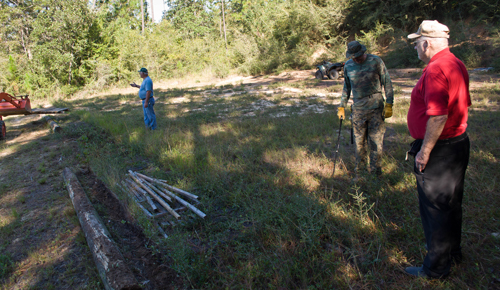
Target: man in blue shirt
148	101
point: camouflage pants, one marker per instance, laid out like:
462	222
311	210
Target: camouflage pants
369	130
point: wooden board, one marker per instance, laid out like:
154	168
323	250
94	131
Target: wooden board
48	111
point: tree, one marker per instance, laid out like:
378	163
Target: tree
192	17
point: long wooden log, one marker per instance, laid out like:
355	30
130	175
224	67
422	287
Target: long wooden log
164	183
154	195
110	263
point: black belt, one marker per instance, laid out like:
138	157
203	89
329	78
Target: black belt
453	140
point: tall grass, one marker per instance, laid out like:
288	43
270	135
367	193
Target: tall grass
276	216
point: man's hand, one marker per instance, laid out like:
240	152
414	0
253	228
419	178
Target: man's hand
388	110
433	130
341	113
134	85
146	101
421	160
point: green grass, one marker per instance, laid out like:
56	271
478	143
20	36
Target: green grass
276	218
5	265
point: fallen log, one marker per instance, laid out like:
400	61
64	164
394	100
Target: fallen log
53	125
169	187
110	263
154	195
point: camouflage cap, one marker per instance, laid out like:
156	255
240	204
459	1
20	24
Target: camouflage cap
144	70
354	49
431	28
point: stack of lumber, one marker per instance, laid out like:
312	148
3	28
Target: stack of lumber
157	198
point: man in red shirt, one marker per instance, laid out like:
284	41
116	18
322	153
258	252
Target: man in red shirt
437	119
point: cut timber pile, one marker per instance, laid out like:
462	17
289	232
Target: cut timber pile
160	197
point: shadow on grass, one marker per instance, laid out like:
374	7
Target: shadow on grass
41	237
276	217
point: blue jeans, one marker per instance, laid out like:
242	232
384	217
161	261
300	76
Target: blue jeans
149	114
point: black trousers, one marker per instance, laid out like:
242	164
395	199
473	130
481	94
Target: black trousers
440	191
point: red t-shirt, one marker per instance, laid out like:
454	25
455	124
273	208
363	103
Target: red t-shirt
443	89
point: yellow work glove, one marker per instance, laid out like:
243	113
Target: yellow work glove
341	113
388	110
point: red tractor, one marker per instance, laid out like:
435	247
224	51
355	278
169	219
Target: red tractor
10	105
19	105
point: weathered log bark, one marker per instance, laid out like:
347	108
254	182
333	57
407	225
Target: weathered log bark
109	261
53	125
154	195
169	187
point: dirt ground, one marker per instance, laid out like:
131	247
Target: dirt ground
41	242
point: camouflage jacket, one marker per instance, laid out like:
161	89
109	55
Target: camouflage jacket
364	80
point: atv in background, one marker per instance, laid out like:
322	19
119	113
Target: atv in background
332	70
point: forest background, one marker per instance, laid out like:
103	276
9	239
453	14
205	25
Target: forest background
58	47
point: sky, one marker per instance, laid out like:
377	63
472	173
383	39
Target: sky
159	6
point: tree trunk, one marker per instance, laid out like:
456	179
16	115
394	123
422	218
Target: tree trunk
69	74
224	21
142	15
109	261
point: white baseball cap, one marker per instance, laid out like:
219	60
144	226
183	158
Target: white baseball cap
431	28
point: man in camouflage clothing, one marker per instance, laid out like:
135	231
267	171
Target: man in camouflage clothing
364	76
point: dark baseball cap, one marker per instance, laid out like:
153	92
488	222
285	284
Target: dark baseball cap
144	70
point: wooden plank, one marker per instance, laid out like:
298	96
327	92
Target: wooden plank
49	111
